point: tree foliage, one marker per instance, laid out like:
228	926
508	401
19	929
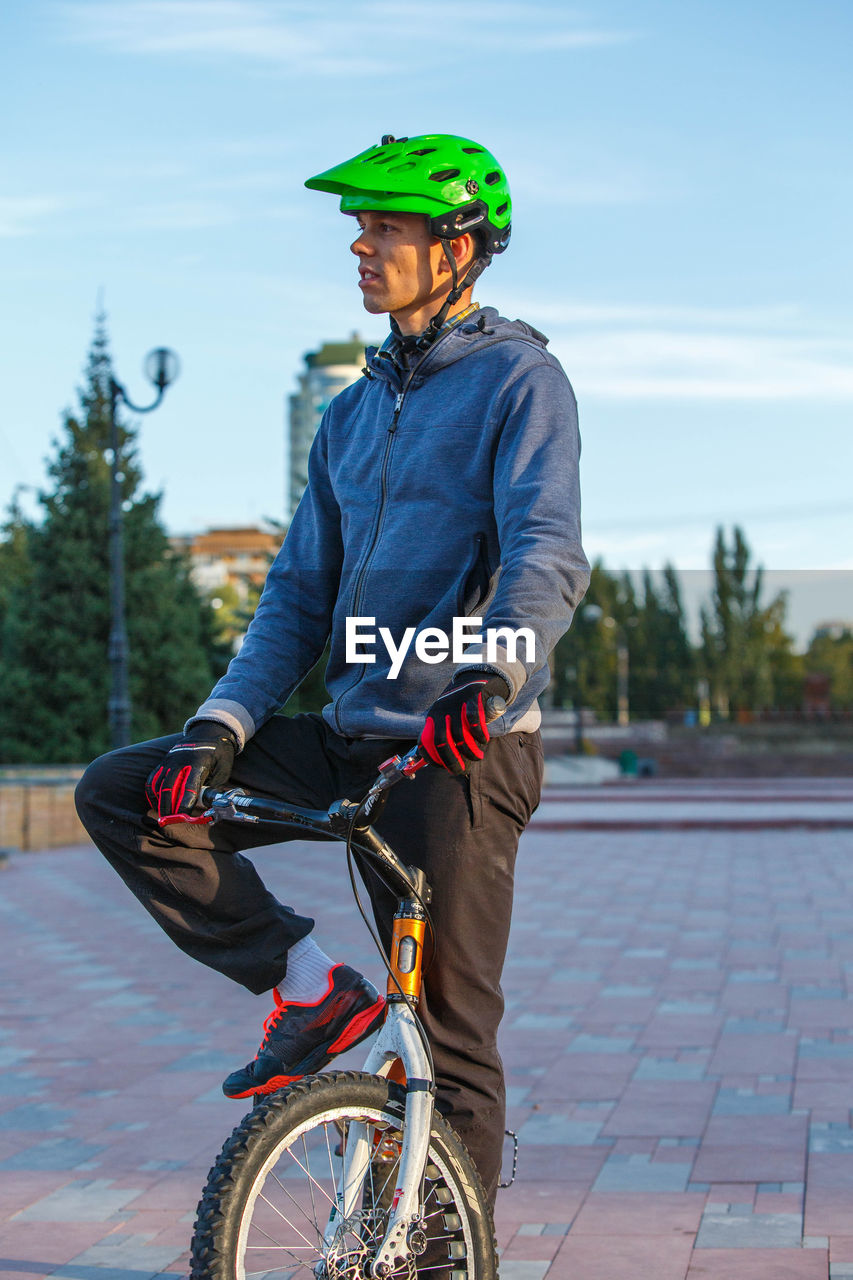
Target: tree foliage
650	625
55	607
662	663
831	655
746	652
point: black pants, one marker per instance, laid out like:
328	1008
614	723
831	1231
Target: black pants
463	831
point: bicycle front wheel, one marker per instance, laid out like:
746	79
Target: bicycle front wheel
266	1206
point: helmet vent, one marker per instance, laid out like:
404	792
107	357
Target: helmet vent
501	209
473	151
444	175
422	151
491	178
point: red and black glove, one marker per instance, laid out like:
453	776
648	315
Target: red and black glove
203	757
456	728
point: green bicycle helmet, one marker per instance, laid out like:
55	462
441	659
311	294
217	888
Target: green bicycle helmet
455	182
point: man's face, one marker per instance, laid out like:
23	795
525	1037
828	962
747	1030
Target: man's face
401	267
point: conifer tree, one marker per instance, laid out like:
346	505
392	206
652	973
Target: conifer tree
743	641
56	615
662	669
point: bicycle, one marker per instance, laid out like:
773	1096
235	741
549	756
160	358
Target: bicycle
350	1175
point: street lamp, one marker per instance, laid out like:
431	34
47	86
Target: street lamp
161	368
587	613
623	718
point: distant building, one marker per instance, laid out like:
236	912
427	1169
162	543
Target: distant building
834	629
327	372
238	558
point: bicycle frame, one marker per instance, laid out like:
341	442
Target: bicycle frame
399	1039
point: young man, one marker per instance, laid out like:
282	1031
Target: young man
443	485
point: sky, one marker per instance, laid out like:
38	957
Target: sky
681	185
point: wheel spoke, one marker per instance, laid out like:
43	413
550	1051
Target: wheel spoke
284	1218
266	1210
311	1221
309	1175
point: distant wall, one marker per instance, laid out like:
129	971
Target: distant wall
37	809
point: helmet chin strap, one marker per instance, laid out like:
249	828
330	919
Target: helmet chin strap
476	269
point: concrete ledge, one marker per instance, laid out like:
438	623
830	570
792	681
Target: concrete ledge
38	812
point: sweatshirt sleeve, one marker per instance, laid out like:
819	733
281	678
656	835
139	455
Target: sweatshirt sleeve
544	572
292	622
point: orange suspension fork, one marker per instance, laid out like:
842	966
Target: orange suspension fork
407	952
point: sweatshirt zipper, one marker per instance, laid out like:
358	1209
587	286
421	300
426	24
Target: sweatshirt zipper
391	431
359	584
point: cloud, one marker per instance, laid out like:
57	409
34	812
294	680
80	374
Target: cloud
330	39
663	352
18	213
663	364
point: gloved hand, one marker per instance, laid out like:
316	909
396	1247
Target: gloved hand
455	731
203	757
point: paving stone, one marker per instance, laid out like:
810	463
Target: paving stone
758	1264
754	1053
38	1247
764	1026
513	1270
680	1031
829	1194
841	1248
204	1060
638	1173
670	963
661	1108
605	1258
96	1200
652	1068
551	1130
53	1153
826	1049
732	1228
823	1095
740	1102
584	1043
539	1248
637	1213
752	1149
21	1086
39	1116
118	1257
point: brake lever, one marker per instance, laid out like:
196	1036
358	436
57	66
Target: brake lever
186	819
222	807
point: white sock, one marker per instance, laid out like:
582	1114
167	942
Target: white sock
307	977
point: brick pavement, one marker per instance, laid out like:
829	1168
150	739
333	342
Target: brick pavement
678	1040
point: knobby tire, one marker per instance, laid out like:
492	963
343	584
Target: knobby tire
267	1200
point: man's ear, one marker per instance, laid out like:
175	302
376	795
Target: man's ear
463	249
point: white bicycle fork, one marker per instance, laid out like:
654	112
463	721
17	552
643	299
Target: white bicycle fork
397	1038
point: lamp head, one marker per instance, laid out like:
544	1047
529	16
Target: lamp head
162	367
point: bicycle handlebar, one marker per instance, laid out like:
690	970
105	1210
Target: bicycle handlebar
343	820
226	804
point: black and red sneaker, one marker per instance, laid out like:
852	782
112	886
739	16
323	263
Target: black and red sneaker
301	1038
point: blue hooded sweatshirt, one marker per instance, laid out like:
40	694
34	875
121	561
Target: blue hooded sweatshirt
446	490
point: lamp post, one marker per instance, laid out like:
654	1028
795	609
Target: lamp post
588	613
161	368
623	717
